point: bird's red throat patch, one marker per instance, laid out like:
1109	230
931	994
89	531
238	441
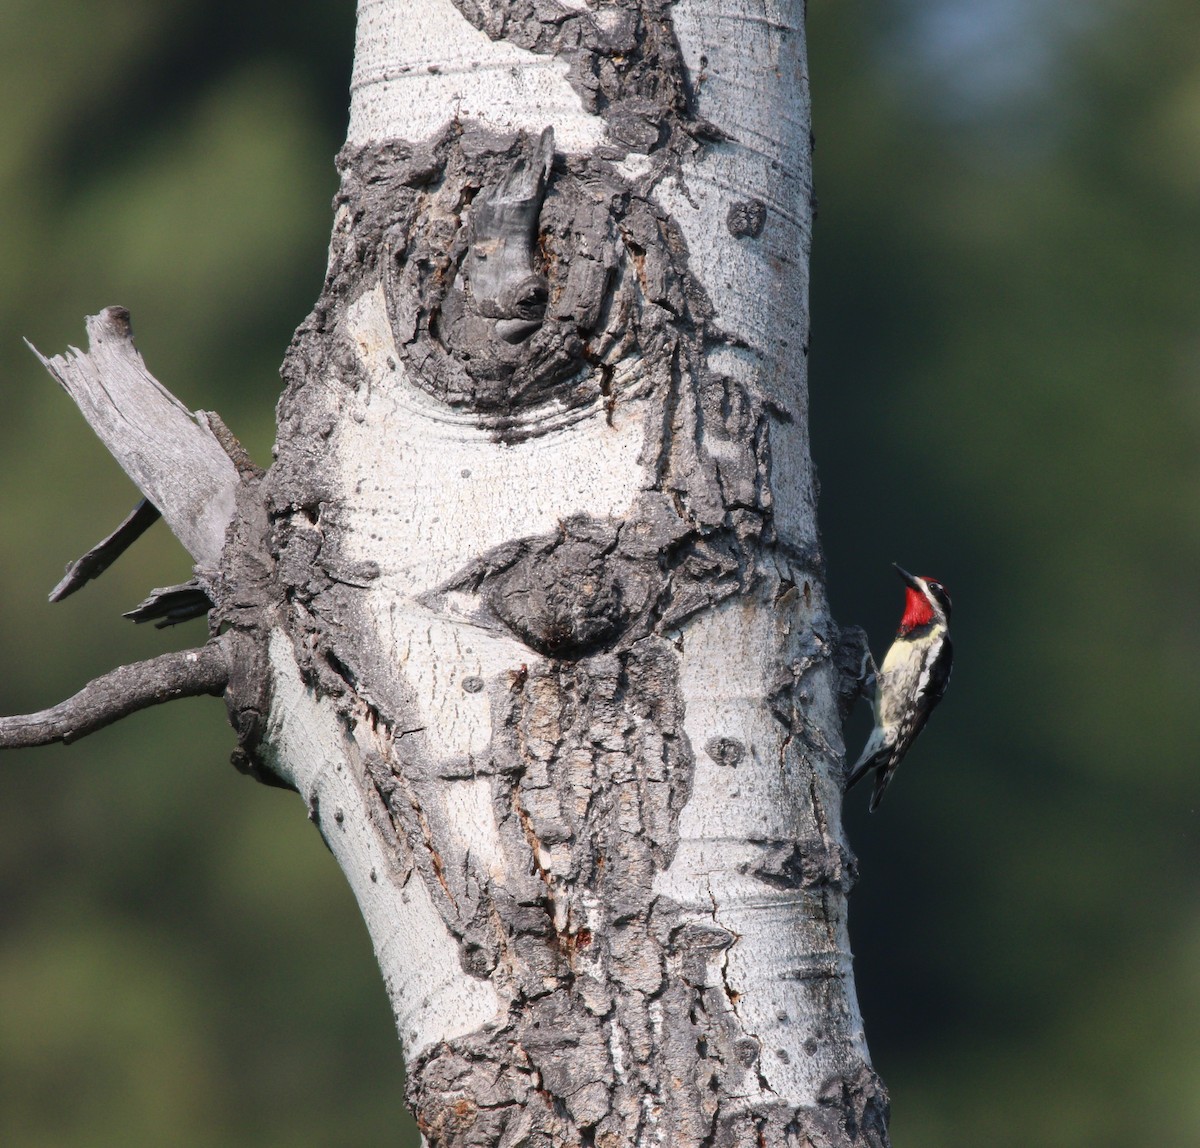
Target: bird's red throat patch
917	610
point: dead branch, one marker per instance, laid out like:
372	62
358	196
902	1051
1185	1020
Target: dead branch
174	459
107	551
112	696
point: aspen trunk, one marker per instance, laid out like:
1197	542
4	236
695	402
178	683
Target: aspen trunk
530	608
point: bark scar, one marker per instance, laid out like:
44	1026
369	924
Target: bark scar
502	282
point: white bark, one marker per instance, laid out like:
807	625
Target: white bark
431	999
423	492
417	64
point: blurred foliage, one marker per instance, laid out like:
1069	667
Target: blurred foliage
1005	393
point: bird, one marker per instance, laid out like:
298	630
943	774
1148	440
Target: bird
910	683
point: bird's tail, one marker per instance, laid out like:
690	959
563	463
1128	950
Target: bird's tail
874	753
870	758
881	783
857	774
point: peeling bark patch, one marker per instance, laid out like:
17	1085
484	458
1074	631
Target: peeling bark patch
574	593
854	1109
746	218
727	751
806	864
624	60
591	774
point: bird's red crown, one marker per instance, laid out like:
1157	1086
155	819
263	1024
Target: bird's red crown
918	610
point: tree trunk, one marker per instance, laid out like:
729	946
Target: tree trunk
529	608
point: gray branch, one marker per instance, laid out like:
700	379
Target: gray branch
175	460
170	605
107	551
125	690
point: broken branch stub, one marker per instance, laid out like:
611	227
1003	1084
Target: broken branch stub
170	605
190	469
175	460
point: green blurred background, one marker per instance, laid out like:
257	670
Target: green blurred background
1006	394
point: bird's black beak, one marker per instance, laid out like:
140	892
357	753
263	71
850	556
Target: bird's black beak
908	578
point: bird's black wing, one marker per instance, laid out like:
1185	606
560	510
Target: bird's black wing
939	678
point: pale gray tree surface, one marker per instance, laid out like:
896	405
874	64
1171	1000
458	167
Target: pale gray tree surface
529	608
